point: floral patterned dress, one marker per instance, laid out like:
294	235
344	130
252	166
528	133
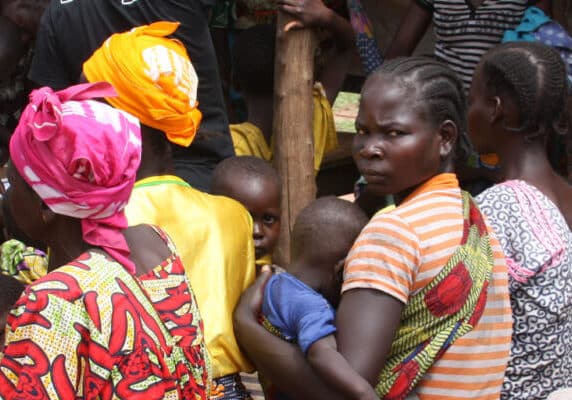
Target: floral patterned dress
91	330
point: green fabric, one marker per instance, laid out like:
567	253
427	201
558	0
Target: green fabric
161	182
446	309
22	262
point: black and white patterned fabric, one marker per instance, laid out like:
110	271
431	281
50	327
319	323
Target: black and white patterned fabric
465	32
538	246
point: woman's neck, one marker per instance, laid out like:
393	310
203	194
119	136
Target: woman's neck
156	154
530	164
153	164
525	161
61	255
68	243
147	169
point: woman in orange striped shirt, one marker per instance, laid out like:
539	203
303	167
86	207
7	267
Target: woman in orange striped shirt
425	309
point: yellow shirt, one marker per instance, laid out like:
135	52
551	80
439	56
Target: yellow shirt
264	260
213	235
249	140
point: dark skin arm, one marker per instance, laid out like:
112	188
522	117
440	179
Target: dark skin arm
411	29
324	357
314	14
367	316
277	360
364	316
414	24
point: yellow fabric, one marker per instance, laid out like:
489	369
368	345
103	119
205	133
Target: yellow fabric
22	262
213	235
249	140
325	136
264	260
154	79
386	209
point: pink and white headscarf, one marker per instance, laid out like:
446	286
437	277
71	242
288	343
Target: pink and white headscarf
81	156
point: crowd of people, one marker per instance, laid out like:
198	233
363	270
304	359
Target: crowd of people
140	225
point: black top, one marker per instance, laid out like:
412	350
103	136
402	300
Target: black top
71	30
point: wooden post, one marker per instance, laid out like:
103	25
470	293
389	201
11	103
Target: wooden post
293	125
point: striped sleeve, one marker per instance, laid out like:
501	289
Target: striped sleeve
385	257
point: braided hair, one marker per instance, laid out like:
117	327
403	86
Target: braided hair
438	88
534	76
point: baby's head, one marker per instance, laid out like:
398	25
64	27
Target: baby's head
10	291
256	184
323	235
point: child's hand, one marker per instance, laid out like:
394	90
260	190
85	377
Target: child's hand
250	301
276	269
308	13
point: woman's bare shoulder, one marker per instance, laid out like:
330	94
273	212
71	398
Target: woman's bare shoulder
148	248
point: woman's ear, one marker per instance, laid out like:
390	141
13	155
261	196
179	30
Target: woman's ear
497	110
506	112
47	214
448	133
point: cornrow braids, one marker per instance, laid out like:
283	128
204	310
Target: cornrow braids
439	89
534	76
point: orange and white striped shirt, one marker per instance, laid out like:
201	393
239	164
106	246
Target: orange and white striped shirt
401	251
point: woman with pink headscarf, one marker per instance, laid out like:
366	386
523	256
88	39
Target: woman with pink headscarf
115	318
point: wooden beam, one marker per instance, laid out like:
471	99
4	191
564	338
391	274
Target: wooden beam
293	121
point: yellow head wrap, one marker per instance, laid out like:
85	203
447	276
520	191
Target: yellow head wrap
154	78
